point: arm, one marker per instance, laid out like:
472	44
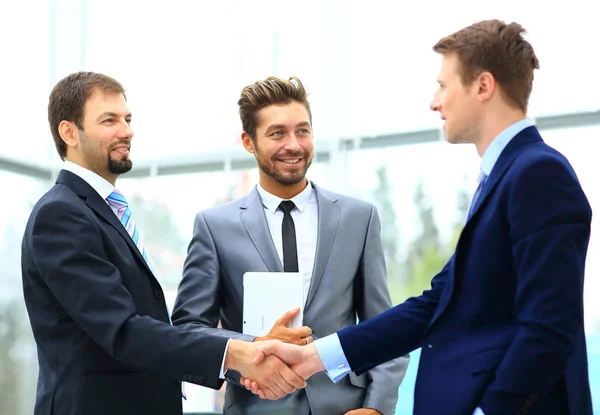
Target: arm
372	342
68	250
371	296
549	219
198	303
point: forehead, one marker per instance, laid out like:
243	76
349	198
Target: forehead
100	101
285	114
450	65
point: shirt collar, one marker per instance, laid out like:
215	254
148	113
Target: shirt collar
98	183
492	153
272	202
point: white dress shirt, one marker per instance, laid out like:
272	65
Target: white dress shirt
98	183
306	223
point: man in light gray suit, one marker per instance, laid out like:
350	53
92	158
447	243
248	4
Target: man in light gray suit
288	223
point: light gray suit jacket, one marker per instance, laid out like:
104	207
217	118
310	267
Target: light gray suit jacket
348	281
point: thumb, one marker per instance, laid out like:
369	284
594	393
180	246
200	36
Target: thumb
288	317
265	349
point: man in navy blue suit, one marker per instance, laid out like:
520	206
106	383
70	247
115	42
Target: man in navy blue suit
501	329
98	313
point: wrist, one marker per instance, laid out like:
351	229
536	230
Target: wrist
234	355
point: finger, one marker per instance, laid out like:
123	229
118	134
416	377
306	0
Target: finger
287	318
268	393
261	394
299	342
247	383
276	386
301	331
255	390
291	378
259	356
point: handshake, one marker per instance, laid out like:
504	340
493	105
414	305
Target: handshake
277	364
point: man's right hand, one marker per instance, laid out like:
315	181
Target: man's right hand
274	378
300	336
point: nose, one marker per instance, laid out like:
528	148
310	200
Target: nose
435	104
125	131
292	143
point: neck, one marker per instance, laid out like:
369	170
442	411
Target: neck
109	177
284	191
494	125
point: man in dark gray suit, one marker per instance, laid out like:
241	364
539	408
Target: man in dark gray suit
288	223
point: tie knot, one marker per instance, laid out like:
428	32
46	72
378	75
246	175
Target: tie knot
481	178
286	206
117	200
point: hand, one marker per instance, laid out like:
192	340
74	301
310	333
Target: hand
305	361
280	331
364	411
273	378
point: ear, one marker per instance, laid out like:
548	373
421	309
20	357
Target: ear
248	143
69	133
486	86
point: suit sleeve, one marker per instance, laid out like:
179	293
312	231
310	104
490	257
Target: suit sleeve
198	303
549	219
68	252
395	332
372	297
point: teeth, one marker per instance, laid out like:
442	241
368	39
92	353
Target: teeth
291	161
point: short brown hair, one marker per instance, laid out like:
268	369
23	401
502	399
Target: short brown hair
68	98
267	92
499	48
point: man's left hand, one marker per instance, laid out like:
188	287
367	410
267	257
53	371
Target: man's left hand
363	411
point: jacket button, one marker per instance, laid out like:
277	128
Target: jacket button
158	294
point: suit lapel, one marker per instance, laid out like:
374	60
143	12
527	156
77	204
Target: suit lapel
100	207
329	217
253	217
527	136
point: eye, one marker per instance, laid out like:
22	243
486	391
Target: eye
108	121
128	121
277	134
303	131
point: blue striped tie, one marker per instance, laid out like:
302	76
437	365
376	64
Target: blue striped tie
119	205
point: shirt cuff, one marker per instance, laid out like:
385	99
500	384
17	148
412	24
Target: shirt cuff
332	355
478	411
221	374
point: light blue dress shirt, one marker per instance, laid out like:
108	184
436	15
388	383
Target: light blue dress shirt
329	347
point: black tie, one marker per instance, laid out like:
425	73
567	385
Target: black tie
288	233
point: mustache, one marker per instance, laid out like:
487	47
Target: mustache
120	143
299	154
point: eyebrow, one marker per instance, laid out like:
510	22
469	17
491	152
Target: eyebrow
281	126
110	114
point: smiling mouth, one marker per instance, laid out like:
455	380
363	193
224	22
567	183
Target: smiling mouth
290	161
121	149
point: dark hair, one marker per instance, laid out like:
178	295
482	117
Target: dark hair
267	92
499	48
68	98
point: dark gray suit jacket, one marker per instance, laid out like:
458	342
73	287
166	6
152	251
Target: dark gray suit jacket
98	314
348	281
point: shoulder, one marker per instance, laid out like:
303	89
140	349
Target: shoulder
223	212
540	160
346	202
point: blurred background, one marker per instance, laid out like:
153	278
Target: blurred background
371	74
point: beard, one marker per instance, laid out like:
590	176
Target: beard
119	166
286	178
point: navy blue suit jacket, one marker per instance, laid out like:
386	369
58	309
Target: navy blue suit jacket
105	345
502	325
